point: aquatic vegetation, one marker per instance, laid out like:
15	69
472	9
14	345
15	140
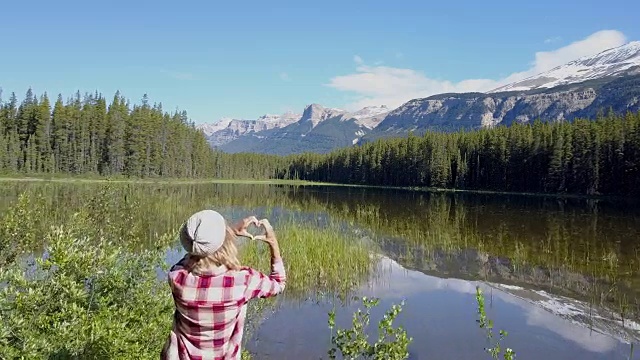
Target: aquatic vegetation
487	324
320	261
353	343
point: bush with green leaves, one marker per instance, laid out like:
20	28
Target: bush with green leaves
21	227
84	296
353	343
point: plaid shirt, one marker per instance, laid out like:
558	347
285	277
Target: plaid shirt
211	308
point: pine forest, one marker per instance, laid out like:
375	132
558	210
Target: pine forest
89	135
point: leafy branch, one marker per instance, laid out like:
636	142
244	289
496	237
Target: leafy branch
487	324
353	343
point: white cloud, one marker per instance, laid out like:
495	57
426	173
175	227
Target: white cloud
378	85
285	77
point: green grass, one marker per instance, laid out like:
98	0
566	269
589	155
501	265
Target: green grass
97	179
96	293
321	264
318	261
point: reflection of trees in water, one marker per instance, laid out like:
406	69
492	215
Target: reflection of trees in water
567	246
586	248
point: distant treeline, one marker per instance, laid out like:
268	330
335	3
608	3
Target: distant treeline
600	156
85	135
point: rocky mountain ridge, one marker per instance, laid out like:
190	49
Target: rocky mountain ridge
227	129
580	88
319	130
472	111
224	133
613	62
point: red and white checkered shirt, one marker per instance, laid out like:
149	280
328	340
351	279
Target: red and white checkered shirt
211	308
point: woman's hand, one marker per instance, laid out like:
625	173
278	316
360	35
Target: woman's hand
269	236
240	229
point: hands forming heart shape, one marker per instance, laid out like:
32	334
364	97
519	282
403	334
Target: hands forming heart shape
241	228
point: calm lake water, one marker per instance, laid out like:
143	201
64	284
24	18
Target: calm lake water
560	275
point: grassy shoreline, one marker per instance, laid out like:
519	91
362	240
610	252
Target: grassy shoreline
156	181
94	282
98	179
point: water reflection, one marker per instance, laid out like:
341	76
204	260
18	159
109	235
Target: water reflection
442	312
573	320
561	271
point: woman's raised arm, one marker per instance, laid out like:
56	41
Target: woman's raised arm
259	284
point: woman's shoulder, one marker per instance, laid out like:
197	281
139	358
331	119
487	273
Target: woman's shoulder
247	272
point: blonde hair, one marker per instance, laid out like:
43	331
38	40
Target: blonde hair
227	255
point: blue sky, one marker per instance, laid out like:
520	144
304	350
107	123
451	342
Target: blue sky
246	58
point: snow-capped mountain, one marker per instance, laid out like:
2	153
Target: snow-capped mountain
227	129
210	128
609	63
580	88
370	116
278	121
473	111
316	113
327	127
320	129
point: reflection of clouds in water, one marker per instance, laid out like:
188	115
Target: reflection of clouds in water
585	337
399	283
567	329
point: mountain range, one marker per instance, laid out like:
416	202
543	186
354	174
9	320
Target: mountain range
580	88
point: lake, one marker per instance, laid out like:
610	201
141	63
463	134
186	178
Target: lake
561	275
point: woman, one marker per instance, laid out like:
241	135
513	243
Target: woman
211	289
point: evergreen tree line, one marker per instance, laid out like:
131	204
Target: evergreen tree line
85	135
600	156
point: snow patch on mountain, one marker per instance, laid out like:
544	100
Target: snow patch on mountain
369	111
608	63
369	116
264	122
279	121
210	128
226	130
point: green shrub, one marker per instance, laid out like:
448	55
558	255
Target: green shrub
74	291
84	298
392	343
